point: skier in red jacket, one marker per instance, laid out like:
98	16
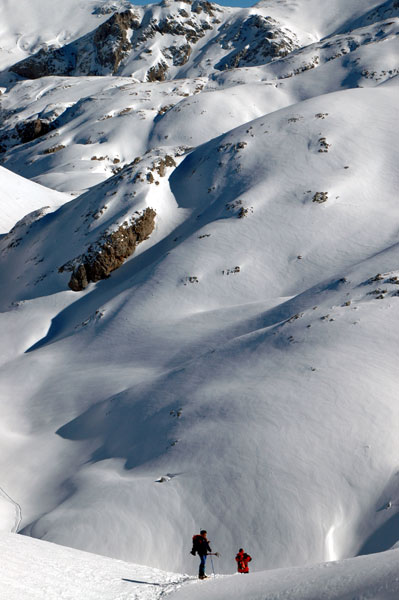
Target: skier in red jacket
243	559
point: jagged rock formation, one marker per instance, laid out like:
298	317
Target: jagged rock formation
111	41
256	40
158	72
97	53
153	45
112	251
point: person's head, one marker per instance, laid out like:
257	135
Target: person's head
203	532
241	550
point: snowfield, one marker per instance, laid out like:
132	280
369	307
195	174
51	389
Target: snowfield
32	569
199	303
20	196
57	573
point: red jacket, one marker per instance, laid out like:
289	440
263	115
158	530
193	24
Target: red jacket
242	562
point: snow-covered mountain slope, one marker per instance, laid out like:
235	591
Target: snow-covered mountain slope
236	360
19	196
179	39
36	570
323	18
206	334
28	26
182	39
372	577
105	124
72	133
33	568
167	40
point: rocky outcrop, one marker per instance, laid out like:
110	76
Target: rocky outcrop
257	40
111	41
34	66
178	54
112	251
191	29
32	129
158	72
97	53
125	43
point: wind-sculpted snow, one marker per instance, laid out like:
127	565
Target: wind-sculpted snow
228	359
379	13
105	125
322	19
237	371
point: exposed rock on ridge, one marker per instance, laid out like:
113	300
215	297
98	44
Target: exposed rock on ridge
112	251
32	129
257	40
97	53
111	41
153	45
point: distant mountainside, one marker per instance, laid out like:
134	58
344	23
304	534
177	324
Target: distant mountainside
200	301
170	40
182	39
26	27
62	125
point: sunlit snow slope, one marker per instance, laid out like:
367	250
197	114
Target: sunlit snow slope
33	569
18	197
229	359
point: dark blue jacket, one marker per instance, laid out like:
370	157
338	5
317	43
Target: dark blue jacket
201	545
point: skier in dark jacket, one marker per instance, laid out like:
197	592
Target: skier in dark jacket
201	545
243	559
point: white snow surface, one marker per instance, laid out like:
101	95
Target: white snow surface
239	371
34	570
19	196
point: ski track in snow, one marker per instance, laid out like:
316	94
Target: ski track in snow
52	572
18	510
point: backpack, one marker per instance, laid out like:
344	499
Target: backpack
197	544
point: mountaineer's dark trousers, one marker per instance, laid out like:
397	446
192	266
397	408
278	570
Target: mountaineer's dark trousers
202	565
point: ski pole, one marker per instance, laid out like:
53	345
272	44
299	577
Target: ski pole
213	569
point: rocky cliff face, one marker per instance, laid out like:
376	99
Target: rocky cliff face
257	40
112	251
154	43
111	41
